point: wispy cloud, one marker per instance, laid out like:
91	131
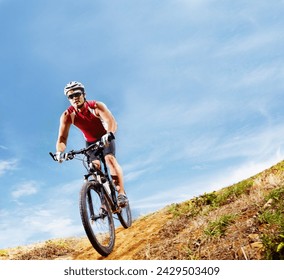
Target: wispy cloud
55	216
191	187
36	223
173	192
251	42
131	175
261	75
246	169
3	213
54	223
25	189
7	165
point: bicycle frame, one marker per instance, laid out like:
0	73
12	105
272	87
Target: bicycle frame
103	177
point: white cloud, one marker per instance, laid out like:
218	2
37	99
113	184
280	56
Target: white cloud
3	213
133	175
7	165
35	224
261	75
69	187
246	169
242	143
56	216
52	223
177	192
25	189
191	187
252	42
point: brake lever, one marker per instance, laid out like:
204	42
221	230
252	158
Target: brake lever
53	156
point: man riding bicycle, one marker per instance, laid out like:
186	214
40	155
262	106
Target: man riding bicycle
96	122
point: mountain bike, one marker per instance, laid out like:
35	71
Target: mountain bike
98	200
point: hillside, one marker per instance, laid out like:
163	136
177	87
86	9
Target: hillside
242	221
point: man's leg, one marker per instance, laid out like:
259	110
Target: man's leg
116	172
97	163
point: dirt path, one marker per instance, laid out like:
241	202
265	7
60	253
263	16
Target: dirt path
128	241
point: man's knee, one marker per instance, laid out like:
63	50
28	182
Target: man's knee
97	164
111	160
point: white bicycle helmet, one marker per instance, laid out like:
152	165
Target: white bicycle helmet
73	85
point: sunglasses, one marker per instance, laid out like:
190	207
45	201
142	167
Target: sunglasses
77	94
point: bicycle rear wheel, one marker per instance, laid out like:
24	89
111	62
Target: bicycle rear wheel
97	217
124	216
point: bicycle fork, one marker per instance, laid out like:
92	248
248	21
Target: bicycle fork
93	215
91	208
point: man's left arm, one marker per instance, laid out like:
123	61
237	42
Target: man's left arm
105	114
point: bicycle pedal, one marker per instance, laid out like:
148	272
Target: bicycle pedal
117	210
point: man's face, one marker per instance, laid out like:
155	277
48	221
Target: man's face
76	98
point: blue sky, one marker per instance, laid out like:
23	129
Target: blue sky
196	88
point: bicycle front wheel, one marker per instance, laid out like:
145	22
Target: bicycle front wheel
97	217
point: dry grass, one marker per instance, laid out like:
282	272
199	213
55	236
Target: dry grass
48	250
227	224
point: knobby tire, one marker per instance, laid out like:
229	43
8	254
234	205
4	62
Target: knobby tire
100	227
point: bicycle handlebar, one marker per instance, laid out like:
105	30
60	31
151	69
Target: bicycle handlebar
95	146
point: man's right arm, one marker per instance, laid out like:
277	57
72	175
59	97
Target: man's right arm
64	127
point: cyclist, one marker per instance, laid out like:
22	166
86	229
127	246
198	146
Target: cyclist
95	122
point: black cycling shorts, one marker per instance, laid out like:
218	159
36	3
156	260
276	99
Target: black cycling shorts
109	150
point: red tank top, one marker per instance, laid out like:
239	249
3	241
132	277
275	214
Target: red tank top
91	126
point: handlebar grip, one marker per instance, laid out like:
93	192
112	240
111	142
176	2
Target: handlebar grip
111	136
69	156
